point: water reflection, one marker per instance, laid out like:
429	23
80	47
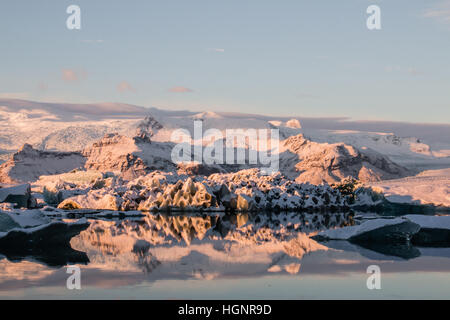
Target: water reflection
209	247
205	246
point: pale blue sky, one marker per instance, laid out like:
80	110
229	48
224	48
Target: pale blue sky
289	57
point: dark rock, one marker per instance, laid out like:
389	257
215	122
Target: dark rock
396	233
432	237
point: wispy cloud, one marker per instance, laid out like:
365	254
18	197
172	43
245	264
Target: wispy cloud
42	86
414	72
180	90
409	70
216	49
92	41
124	86
440	12
72	75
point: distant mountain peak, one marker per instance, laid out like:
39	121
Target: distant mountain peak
148	127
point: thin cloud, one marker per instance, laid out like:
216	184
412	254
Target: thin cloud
216	50
42	86
124	86
93	41
414	72
71	75
440	13
180	90
410	70
392	68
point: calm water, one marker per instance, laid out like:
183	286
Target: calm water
238	257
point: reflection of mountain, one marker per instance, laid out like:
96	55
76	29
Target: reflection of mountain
203	245
142	252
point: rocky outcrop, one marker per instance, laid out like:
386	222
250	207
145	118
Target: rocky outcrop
308	161
301	160
28	164
131	157
149	127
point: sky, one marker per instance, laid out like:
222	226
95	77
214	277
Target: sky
287	58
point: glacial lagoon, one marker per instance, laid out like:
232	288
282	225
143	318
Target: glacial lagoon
218	256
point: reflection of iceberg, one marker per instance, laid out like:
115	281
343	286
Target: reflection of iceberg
201	246
28	237
393	237
25	270
53	258
383	252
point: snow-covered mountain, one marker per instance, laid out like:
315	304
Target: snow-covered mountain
306	161
70	127
411	152
131	157
301	160
29	164
116	137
